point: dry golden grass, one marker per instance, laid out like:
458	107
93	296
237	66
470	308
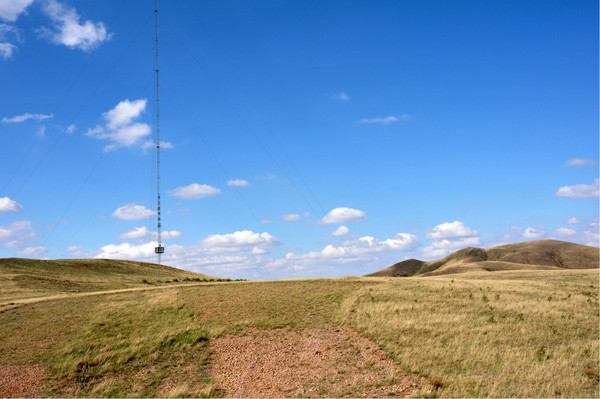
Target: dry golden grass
481	336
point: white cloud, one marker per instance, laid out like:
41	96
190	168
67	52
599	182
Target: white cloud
8	205
266	221
194	191
237	183
341	231
69	31
341	96
71	128
32	252
17	234
7	50
344	215
143	232
579	162
290	217
385	119
451	230
11	9
564	232
449	236
151	144
573	220
41	132
120	129
580	190
534	232
240	239
27	116
133	211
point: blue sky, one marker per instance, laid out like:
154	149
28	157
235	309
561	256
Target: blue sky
300	138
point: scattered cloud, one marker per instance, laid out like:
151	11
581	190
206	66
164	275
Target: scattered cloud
11	9
266	221
564	232
580	190
8	205
69	31
194	191
71	129
341	96
449	236
385	119
41	132
579	162
32	252
341	231
451	230
237	183
120	129
144	233
9	35
146	145
133	211
290	217
27	116
534	232
573	220
344	215
17	234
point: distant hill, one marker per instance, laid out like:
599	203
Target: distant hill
530	255
32	277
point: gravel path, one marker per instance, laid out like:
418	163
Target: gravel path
316	362
21	381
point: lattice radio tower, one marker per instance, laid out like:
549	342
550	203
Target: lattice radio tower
159	250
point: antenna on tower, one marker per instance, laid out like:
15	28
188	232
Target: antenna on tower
159	250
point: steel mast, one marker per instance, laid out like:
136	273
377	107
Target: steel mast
159	250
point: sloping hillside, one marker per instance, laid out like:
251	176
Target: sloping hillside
22	278
531	255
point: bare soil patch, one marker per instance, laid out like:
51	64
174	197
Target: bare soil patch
308	363
21	381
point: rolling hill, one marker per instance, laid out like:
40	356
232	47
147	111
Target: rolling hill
32	277
530	255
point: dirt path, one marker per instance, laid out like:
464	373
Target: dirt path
335	362
15	303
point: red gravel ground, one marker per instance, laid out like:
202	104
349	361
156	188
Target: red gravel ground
21	381
316	362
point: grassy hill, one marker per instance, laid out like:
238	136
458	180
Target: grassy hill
531	255
525	333
28	278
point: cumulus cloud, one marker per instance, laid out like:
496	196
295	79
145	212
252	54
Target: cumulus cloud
534	232
7	50
580	190
32	252
290	217
385	119
11	9
194	191
133	211
120	129
237	183
579	162
8	35
564	232
451	230
143	232
344	215
573	220
27	116
71	129
449	236
69	31
341	231
17	234
8	205
341	96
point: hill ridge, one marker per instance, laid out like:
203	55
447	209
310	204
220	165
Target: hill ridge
538	254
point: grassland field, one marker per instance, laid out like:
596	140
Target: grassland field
500	334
